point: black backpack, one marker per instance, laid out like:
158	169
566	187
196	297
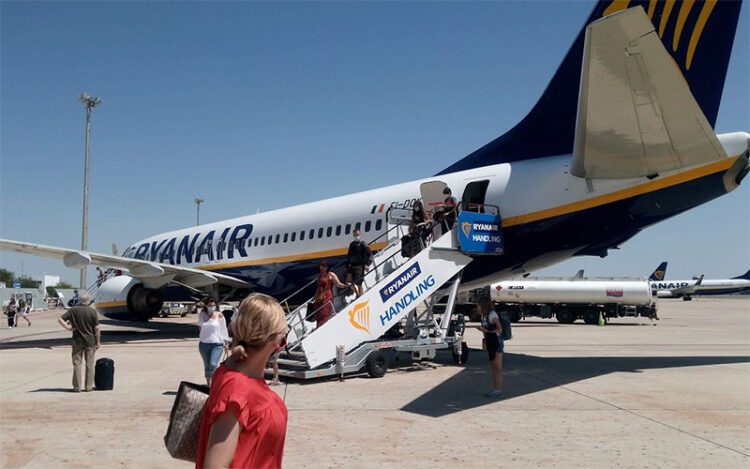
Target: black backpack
505	322
507	332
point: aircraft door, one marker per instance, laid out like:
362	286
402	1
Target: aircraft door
473	199
432	195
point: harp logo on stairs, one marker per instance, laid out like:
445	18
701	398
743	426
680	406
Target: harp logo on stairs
359	316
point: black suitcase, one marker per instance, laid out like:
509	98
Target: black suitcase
104	374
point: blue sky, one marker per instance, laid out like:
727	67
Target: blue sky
264	105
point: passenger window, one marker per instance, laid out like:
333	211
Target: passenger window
278	237
263	241
320	232
358	226
329	231
270	239
302	235
338	230
249	242
294	235
312	234
379	224
348	228
286	237
256	242
367	226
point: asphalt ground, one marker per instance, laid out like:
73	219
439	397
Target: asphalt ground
634	393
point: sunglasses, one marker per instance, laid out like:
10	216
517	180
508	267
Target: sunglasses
282	342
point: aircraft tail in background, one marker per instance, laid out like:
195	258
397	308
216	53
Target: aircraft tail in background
745	276
660	273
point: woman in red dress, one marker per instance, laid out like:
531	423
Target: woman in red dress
324	294
244	421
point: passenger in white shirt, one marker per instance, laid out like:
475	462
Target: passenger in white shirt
213	336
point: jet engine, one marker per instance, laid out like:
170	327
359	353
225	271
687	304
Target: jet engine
124	297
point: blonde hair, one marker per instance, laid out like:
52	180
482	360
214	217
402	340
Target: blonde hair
259	318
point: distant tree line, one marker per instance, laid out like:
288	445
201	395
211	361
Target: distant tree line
9	277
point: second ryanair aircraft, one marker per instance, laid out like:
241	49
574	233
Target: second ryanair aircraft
621	138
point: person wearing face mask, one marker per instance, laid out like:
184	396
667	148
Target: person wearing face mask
244	422
213	337
358	258
419	228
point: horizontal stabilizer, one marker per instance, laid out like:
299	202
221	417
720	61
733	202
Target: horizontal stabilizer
636	114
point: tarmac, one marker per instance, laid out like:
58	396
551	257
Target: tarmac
634	393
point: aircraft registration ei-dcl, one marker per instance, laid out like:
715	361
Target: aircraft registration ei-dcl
621	138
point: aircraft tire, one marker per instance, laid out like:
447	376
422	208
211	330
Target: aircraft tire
377	364
687	298
464	354
515	315
564	316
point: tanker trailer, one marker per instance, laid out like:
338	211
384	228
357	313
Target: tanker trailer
571	299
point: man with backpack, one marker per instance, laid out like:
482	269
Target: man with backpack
495	329
358	258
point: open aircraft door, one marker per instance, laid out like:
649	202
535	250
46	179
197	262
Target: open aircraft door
432	195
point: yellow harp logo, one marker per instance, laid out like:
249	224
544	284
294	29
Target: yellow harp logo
359	316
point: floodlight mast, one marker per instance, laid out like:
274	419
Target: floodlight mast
90	103
198	202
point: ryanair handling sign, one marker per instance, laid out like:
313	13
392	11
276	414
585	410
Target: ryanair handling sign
480	233
381	307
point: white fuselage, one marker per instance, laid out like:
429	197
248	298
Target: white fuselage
525	191
671	288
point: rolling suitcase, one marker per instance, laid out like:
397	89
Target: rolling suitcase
104	374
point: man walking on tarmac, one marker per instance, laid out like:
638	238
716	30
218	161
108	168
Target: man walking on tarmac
84	322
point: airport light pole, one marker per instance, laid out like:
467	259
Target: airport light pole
198	202
90	103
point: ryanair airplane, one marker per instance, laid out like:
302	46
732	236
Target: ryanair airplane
622	138
686	289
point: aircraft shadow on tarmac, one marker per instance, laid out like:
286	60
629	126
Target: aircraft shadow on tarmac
527	374
140	332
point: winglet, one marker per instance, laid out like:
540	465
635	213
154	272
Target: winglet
699	281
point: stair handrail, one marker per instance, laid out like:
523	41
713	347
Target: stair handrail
285	301
312	314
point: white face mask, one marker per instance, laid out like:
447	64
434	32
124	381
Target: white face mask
211	309
356	238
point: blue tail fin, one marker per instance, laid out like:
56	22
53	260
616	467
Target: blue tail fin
745	276
698	35
660	273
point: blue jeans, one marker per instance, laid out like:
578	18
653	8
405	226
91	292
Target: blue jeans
211	355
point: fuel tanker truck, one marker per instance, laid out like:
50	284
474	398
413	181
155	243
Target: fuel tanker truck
568	299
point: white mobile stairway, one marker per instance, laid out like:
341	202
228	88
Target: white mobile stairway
395	313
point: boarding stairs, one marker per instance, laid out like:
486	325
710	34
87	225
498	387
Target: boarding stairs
395	312
93	289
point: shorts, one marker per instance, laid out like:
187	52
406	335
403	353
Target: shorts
358	274
495	345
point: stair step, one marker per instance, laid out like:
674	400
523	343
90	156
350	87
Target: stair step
288	362
293	354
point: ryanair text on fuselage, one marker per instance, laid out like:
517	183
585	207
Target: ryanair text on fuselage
187	249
